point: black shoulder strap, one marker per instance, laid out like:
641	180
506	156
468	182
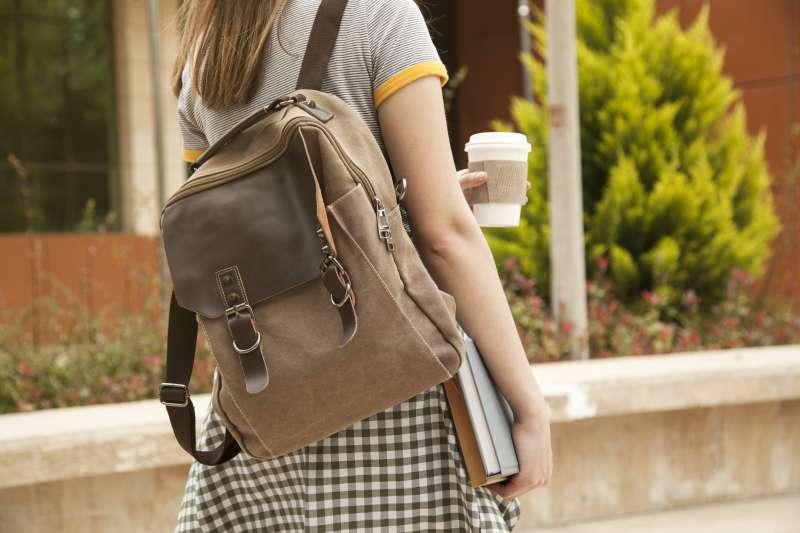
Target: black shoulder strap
321	43
174	392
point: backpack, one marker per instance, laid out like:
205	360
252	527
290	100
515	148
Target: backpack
289	247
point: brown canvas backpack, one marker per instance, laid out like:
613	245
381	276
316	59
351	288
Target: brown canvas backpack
289	247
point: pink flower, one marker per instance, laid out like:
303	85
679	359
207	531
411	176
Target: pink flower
690	299
24	368
730	322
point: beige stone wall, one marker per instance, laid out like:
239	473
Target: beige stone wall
608	466
136	122
134	502
630	435
618	465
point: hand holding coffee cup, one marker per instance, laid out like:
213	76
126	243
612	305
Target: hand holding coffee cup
468	179
503	156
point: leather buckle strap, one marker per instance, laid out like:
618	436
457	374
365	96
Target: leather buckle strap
241	322
239	309
337	281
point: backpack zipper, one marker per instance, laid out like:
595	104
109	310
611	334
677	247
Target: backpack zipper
231	173
195	185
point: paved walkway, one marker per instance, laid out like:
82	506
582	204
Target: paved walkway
769	515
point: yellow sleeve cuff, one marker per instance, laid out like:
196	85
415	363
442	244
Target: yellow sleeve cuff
190	155
406	76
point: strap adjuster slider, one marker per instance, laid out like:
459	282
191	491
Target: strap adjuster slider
173	394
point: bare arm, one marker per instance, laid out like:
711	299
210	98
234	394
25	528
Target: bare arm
454	249
449	239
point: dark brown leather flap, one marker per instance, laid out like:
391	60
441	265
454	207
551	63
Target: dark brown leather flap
264	223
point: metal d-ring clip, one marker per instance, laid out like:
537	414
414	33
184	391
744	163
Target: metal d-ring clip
245	351
346	296
237	310
400	188
332	260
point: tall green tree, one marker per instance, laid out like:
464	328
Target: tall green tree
675	192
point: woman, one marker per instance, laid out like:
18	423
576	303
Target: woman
401	469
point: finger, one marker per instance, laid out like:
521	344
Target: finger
497	488
513	487
472	179
479	176
501	489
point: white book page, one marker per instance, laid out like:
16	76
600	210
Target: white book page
478	417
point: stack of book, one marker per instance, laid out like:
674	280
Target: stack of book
482	419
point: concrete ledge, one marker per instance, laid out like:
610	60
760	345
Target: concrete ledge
579	390
58	444
630	435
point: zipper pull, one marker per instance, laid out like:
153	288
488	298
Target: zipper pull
310	107
384	230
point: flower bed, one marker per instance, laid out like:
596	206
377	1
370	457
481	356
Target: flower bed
101	359
649	325
91	360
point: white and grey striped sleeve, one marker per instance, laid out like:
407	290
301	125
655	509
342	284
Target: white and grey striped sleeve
193	140
401	47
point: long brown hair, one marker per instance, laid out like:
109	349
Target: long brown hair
224	40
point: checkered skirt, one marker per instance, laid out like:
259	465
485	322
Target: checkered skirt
398	470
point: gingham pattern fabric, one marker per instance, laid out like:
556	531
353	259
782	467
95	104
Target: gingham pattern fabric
399	470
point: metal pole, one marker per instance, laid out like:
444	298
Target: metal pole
523	15
568	270
154	27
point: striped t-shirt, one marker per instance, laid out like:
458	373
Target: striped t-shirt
382	46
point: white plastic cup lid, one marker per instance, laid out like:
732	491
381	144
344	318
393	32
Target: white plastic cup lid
505	138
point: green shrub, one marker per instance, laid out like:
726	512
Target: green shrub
675	192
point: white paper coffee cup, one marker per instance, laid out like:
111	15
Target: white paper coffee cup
504	156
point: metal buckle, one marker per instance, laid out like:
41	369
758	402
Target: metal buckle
400	188
178	386
346	296
342	273
238	308
245	351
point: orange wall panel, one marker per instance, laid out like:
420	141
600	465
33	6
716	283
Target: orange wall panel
104	275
